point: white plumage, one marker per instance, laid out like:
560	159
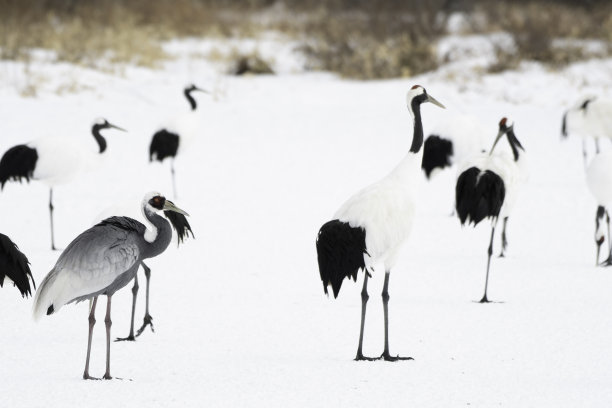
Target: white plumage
599	182
590	117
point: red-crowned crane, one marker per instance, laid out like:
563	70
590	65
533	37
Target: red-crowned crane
589	117
52	160
599	181
487	188
14	265
371	226
168	141
104	259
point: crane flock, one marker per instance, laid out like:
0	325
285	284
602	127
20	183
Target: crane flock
365	233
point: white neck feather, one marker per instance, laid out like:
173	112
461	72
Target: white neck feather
151	231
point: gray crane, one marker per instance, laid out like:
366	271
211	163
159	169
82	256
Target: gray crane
102	260
15	266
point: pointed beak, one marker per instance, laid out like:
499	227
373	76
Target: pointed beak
434	101
195	88
169	206
499	136
115	127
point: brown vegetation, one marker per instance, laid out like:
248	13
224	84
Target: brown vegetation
356	38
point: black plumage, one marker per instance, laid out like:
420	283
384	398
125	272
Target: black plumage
478	194
17	163
164	144
180	224
437	153
15	265
340	250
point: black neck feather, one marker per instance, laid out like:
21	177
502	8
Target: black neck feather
99	138
190	99
417	137
514	144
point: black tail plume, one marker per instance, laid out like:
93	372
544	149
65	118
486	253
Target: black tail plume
15	265
437	153
340	250
478	194
164	144
18	162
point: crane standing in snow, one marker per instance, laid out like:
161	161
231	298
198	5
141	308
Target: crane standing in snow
371	226
104	259
15	266
488	188
167	141
590	117
51	160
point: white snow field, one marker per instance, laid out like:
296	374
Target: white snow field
240	315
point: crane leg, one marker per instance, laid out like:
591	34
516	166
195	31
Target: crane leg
584	152
364	301
108	323
92	322
131	337
173	179
53	248
608	224
504	240
385	298
148	320
489	252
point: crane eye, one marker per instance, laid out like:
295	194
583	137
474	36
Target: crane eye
157	202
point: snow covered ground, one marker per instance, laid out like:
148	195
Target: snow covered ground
240	315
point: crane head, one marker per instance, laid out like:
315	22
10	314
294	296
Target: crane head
192	87
418	95
155	202
101	123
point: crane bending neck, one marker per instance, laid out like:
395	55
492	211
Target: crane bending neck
190	99
99	138
157	235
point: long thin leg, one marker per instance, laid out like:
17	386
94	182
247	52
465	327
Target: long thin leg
51	217
109	323
131	337
92	322
385	297
490	251
504	240
148	320
364	301
173	178
608	224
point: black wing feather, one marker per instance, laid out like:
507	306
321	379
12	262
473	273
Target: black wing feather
164	144
15	265
437	152
478	195
17	163
340	250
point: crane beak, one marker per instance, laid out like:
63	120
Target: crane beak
434	101
195	88
116	127
169	206
499	136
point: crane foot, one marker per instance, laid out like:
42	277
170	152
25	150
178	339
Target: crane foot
147	321
128	338
387	357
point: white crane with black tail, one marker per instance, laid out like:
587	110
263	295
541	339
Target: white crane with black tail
170	139
589	117
104	259
372	225
488	187
14	265
51	160
599	181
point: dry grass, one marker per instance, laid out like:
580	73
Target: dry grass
355	38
